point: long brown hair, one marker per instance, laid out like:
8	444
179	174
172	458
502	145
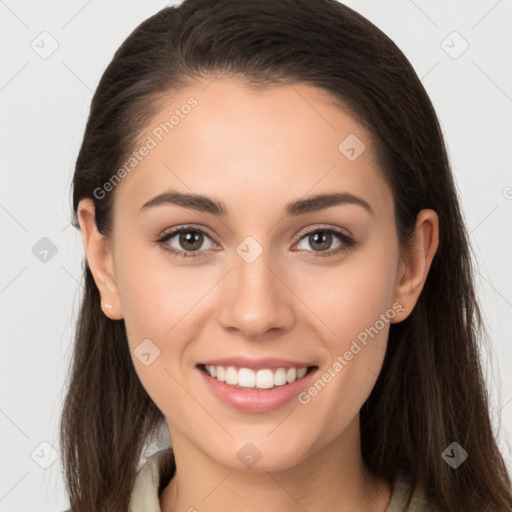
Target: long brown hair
431	390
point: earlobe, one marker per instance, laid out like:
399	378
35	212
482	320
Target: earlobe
99	256
416	263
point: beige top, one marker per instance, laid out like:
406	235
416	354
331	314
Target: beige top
159	468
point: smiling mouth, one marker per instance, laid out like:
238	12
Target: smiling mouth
263	379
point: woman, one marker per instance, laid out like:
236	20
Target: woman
277	272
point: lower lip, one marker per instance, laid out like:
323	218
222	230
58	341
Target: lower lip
254	400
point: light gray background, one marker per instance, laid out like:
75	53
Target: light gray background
44	105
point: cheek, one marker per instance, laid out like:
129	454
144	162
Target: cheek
155	302
355	303
159	300
155	293
350	297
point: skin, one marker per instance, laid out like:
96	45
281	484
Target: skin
256	151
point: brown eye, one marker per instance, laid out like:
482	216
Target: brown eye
321	240
191	240
185	241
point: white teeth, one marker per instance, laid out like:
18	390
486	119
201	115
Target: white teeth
261	379
291	375
280	377
246	378
231	376
264	379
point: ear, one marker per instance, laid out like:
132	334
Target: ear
415	263
98	251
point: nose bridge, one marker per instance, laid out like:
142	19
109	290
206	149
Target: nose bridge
255	300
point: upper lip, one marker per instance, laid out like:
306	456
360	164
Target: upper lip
256	364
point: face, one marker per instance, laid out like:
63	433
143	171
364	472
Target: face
263	285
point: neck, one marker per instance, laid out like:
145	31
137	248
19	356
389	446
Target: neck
333	478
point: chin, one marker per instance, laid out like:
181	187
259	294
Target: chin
261	455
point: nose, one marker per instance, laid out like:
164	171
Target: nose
255	300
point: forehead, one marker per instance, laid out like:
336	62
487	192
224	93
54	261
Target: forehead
223	139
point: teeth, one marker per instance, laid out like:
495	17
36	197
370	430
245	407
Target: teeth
246	378
231	376
261	379
291	375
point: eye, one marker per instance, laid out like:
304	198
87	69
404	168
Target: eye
320	241
190	242
189	239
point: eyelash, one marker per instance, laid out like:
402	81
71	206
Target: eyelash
347	242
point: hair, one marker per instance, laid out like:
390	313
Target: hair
430	391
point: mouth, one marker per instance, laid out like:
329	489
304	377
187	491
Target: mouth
263	379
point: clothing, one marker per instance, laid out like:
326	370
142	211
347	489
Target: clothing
159	468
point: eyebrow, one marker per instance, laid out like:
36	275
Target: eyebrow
209	205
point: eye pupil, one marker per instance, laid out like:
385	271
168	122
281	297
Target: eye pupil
325	239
